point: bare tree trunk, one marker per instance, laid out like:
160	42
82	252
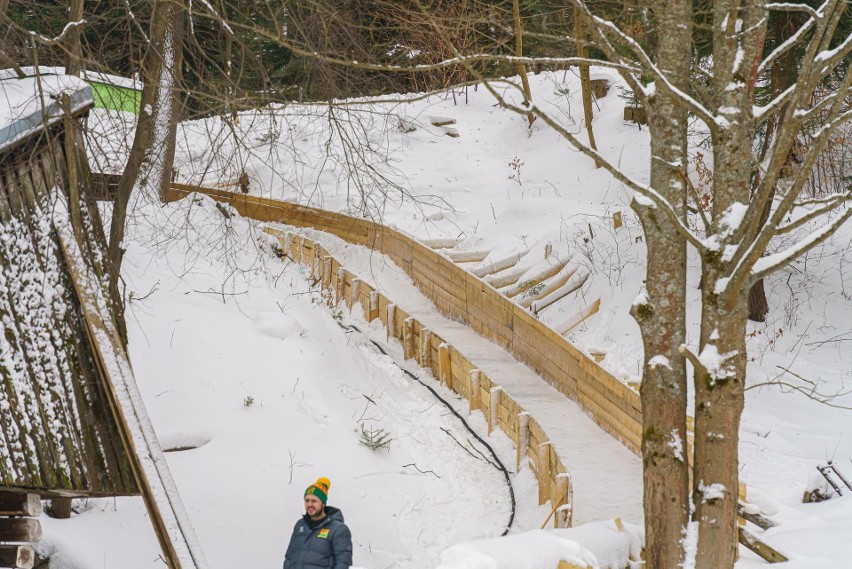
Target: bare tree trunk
152	154
661	318
519	52
585	79
73	50
720	368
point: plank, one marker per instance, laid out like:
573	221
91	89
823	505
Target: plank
171	524
750	540
20	504
19	530
17	556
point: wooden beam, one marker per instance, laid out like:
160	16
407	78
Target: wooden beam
567	565
18	530
759	520
751	541
467	256
17	556
20	504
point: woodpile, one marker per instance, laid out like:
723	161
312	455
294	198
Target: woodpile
19	529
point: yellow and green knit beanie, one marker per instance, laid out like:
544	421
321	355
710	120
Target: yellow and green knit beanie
319	489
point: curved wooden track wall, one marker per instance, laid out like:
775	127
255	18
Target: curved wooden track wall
449	365
463	297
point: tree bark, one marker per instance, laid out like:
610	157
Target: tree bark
151	157
73	49
585	79
661	317
720	368
519	52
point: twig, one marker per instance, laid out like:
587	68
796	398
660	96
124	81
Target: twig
421	471
449	434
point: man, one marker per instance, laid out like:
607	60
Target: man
320	539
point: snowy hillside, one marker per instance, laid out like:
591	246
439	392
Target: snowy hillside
232	351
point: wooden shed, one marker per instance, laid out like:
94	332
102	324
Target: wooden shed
72	423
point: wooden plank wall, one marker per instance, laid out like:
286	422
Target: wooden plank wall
453	369
463	297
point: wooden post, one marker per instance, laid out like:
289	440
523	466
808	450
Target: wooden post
473	390
287	244
564	513
17	556
374	306
523	438
302	251
408	338
391	327
741	495
341	285
356	289
426	348
444	369
495	401
60	508
326	272
543	472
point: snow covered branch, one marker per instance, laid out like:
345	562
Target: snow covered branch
766	265
789	7
659	77
786	46
58	39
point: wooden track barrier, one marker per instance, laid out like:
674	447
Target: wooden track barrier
463	297
454	370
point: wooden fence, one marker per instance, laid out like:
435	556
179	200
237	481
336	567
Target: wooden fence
449	365
462	296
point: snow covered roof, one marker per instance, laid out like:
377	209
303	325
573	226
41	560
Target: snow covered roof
25	104
90	76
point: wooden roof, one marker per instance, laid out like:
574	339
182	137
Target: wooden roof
58	433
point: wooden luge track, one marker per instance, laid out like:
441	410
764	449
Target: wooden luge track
463	297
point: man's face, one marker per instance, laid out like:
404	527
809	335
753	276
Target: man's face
313	506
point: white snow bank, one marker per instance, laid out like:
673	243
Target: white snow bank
599	545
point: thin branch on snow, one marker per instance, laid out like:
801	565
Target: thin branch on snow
766	265
827	204
811	392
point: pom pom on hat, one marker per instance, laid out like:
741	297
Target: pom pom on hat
319	489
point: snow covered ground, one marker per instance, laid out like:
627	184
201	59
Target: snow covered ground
230	347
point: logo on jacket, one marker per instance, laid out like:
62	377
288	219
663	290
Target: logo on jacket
323	533
301	529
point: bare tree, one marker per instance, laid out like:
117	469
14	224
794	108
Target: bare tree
150	161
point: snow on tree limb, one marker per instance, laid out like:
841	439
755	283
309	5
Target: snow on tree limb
790	7
647	65
770	263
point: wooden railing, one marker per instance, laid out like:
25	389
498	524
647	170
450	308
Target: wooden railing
462	296
448	364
